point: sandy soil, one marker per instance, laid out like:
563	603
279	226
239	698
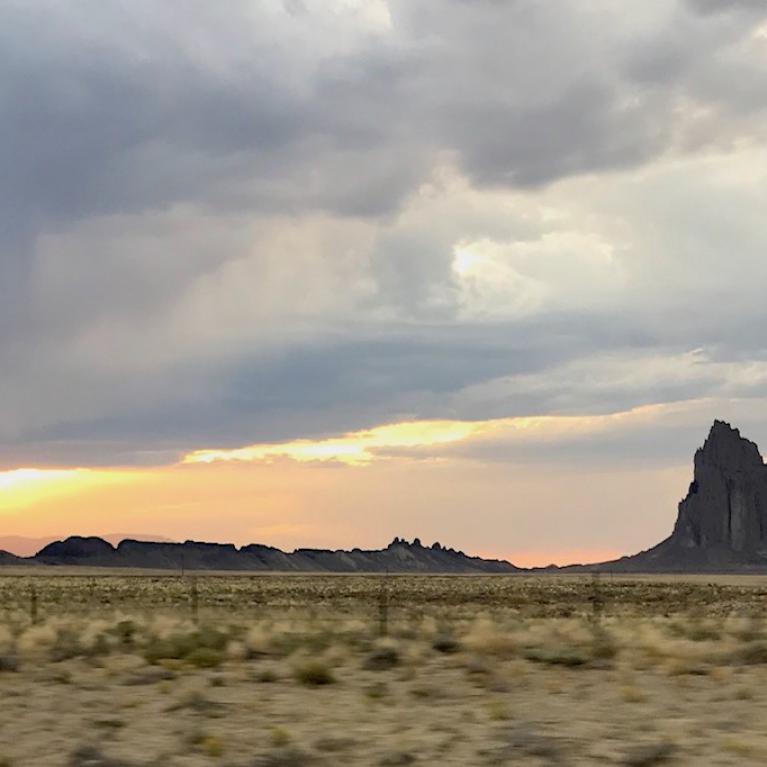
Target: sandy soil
446	710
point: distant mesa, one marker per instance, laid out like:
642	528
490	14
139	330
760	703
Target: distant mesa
6	558
721	526
398	557
25	546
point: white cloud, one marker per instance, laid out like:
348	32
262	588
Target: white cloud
561	270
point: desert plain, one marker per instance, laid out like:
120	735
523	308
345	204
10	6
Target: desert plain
130	669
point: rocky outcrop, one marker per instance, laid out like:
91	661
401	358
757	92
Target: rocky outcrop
398	557
721	523
6	558
24	546
726	505
75	551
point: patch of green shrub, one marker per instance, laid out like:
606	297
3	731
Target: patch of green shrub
313	673
205	657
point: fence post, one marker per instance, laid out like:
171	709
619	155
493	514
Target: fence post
33	603
383	609
597	600
195	602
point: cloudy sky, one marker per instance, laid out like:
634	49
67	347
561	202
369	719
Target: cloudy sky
322	272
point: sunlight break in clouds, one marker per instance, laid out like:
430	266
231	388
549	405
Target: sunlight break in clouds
361	448
24	487
20	478
355	448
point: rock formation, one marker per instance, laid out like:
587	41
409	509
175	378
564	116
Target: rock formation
722	521
726	505
398	557
25	546
6	558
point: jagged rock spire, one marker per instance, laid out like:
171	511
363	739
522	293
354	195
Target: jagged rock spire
726	505
725	449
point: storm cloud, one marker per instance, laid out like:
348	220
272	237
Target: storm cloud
228	223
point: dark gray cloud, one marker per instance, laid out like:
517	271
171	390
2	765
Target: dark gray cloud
114	108
121	109
333	384
584	130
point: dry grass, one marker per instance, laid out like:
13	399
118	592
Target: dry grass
645	642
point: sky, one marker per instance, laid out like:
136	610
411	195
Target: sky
323	272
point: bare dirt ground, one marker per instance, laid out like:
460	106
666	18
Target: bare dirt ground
111	670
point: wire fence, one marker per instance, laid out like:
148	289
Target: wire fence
383	601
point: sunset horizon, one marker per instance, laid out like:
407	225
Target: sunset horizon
417	448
